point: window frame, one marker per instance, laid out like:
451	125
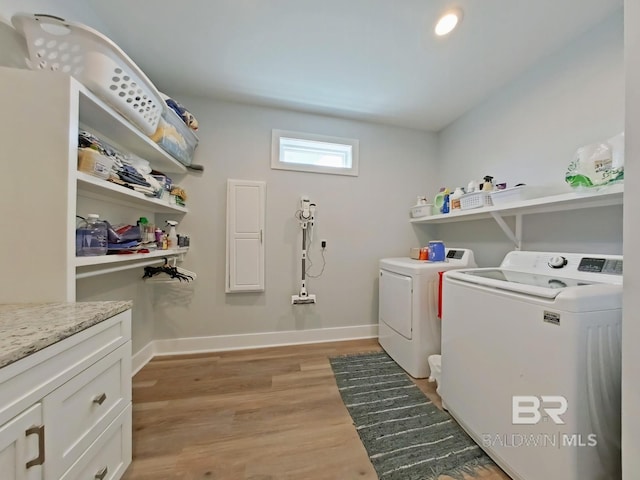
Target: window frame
277	164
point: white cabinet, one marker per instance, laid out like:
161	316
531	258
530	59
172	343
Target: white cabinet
42	188
22	446
245	236
73	404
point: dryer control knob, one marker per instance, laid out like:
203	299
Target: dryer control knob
557	262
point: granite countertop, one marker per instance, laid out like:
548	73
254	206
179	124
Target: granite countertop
29	327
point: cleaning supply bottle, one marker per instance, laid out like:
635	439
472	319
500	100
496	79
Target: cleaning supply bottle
158	237
91	237
172	237
454	198
487	186
445	203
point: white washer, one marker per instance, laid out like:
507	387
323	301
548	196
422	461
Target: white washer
545	328
408	323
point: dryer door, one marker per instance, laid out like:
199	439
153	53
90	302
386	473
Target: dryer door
395	303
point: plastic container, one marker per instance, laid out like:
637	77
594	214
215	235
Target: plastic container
172	237
97	62
475	200
514	194
455	198
445	203
175	138
421	210
94	163
91	237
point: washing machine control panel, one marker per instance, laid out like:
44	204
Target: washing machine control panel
455	254
557	261
600	265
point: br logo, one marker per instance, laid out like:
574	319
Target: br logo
529	409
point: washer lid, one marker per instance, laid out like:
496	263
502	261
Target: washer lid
524	282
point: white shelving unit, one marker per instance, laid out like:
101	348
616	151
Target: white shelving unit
99	265
608	196
39	141
99	189
99	117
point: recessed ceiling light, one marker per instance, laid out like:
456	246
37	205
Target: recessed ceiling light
448	21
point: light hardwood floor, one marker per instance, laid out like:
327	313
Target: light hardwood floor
264	414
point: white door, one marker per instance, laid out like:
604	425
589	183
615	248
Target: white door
245	235
396	301
22	446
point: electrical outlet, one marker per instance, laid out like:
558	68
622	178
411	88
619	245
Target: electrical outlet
323	244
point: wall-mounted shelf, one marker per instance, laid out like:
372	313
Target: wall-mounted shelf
608	196
99	189
97	116
102	264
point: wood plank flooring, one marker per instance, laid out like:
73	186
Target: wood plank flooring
264	414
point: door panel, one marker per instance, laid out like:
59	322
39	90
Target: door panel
396	300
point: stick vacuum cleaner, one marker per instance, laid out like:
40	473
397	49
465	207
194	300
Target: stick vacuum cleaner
305	216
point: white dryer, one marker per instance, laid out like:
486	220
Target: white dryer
408	323
531	362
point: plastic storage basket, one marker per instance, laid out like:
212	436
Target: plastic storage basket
475	200
175	138
97	62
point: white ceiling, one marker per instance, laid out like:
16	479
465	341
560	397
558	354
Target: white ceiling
374	60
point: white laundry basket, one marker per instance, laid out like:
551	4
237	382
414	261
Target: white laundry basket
58	45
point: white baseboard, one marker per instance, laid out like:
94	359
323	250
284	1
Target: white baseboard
141	358
219	343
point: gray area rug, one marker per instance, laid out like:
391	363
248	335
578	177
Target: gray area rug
406	436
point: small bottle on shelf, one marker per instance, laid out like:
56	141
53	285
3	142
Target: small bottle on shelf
158	235
172	238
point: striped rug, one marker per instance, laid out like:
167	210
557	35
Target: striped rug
406	436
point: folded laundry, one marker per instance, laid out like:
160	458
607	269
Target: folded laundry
146	190
133	179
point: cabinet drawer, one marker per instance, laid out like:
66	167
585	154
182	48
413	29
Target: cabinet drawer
30	379
20	454
78	411
109	455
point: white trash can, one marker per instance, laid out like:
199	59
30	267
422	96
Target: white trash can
435	365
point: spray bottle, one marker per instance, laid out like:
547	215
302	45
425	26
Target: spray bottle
172	238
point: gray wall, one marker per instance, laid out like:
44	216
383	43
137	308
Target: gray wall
529	131
630	323
363	218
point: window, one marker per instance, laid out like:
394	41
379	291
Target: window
306	152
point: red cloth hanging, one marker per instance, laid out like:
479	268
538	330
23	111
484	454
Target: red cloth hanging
440	274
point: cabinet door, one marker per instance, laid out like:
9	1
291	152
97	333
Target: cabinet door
22	446
245	236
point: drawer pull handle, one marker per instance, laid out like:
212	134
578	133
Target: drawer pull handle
100	474
100	398
39	460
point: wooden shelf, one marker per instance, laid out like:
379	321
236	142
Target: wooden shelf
612	195
99	189
99	117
